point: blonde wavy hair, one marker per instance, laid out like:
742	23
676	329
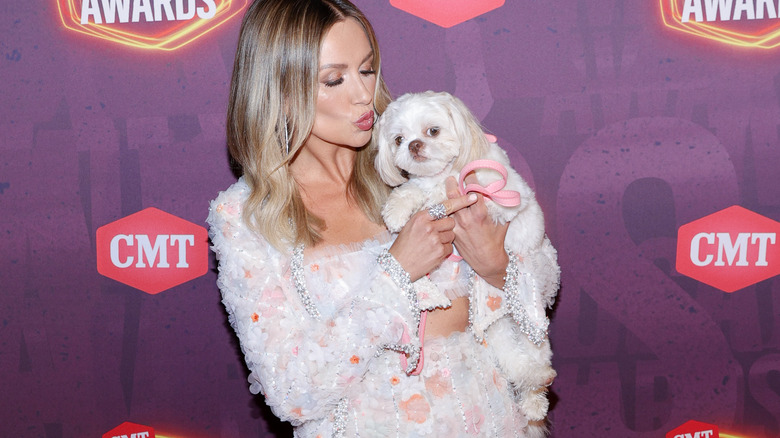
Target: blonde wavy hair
271	113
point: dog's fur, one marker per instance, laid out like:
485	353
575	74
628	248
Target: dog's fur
423	138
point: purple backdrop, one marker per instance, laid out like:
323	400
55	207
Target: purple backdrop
626	129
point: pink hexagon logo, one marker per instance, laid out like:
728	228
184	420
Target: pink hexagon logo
447	13
152	250
730	250
130	430
694	429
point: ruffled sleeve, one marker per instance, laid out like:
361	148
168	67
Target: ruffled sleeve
532	282
304	362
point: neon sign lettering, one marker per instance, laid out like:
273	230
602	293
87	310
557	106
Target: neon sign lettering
152	10
147	24
742	23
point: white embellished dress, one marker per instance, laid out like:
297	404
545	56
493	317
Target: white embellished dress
321	336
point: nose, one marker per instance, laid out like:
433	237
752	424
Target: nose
415	146
363	93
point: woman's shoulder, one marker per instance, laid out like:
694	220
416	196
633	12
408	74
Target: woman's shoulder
235	195
227	227
228	206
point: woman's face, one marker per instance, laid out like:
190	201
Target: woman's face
344	108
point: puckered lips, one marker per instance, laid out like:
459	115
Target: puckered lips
366	121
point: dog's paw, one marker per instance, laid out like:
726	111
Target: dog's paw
534	403
395	222
536	429
546	376
395	215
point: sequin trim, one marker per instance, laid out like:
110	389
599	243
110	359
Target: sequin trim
402	279
455	392
296	267
486	391
340	418
472	301
536	333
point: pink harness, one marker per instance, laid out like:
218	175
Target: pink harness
493	191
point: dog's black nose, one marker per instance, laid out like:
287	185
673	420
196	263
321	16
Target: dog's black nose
415	146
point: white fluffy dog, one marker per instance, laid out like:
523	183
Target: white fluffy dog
422	139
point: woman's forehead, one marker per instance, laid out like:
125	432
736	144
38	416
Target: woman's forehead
345	43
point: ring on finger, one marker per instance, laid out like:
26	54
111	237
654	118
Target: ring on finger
437	211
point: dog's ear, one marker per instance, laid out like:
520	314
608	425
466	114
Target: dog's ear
468	130
384	161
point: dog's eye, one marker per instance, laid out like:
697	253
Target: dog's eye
399	140
433	132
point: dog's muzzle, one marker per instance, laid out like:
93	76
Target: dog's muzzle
415	146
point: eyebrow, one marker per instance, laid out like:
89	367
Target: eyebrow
327	66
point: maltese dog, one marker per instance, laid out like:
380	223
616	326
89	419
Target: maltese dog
423	138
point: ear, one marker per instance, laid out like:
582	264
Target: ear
384	161
474	145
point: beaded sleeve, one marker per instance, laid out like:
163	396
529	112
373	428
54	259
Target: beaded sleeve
401	278
531	284
304	355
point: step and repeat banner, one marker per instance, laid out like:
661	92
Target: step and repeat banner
649	130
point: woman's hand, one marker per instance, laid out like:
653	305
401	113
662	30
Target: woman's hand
478	239
424	242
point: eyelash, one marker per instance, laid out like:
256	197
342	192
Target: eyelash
340	81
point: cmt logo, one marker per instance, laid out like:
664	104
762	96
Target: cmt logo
447	13
742	23
694	429
147	24
730	249
152	250
130	430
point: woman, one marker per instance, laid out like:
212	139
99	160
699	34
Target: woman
316	289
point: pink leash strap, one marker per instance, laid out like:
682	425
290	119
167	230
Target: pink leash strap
405	338
507	198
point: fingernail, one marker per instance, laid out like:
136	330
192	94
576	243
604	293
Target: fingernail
472	197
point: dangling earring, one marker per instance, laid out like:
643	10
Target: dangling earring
286	138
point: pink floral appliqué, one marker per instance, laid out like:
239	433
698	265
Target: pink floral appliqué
270	301
438	385
494	303
416	408
474	420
